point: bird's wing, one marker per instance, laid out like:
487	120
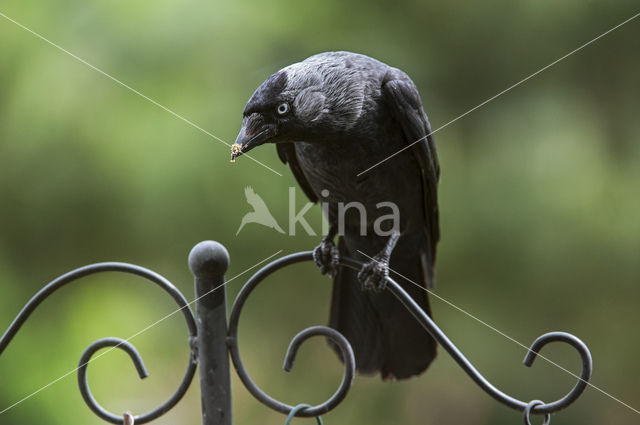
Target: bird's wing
287	153
406	107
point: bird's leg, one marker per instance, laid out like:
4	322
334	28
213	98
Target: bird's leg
326	255
374	274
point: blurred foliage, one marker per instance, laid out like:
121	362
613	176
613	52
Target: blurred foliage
539	197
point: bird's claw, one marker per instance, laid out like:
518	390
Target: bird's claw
374	274
327	257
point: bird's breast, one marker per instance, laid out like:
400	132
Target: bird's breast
332	169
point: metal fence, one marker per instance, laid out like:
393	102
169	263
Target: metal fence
212	341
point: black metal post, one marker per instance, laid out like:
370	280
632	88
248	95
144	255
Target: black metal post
208	262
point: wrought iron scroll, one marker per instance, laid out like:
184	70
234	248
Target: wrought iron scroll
340	341
149	275
534	407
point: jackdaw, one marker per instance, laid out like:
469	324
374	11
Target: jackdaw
331	117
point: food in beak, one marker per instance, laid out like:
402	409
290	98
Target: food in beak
236	150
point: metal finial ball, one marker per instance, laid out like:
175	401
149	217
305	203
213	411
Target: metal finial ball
208	258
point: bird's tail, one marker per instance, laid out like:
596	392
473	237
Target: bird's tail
384	336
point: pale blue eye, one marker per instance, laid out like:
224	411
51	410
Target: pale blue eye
283	108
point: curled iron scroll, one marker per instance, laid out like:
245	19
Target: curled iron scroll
456	354
340	341
431	327
149	275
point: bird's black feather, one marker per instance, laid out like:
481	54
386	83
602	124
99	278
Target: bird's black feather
287	154
406	108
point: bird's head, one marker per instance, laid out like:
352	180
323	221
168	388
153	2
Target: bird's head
304	101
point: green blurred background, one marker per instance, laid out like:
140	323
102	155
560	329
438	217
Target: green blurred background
539	198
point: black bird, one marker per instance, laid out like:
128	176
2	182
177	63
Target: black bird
333	116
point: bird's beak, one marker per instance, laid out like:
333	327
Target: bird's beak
247	141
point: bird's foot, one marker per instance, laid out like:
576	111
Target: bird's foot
326	256
374	274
